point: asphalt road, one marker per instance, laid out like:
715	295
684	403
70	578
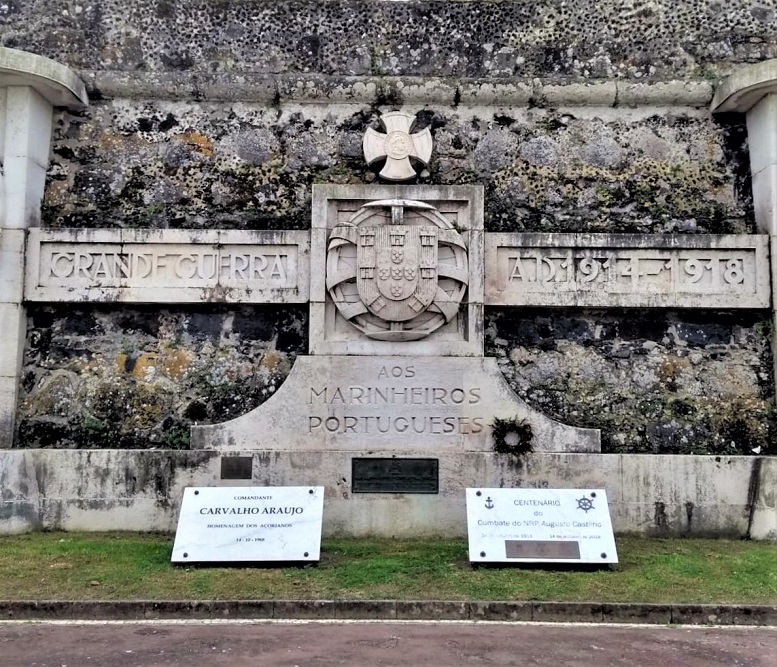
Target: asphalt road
195	644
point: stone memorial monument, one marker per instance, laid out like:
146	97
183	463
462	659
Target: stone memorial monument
395	409
396	389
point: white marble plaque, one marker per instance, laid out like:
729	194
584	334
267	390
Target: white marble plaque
539	525
249	524
168	266
627	270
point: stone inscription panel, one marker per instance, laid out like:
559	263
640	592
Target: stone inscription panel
399	400
398	404
606	270
167	266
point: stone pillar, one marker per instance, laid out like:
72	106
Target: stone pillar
752	90
30	87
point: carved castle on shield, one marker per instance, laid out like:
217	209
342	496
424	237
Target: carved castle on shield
404	273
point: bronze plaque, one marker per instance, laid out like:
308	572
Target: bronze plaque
545	549
373	475
237	467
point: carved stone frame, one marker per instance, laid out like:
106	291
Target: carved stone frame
331	334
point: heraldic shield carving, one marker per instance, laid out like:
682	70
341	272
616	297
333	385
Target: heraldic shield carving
397	269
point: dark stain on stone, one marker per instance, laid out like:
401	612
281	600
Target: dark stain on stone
196	410
204	325
308	46
503	120
427	118
165	9
659	516
177	60
25	512
41	475
753	492
689	516
168	123
130	361
388	95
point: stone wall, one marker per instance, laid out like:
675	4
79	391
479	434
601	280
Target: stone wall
730	496
471	38
139	377
151	163
575	116
661	382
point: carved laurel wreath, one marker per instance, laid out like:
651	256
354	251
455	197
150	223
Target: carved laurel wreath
512	436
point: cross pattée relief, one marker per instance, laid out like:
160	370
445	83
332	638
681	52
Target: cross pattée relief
397	145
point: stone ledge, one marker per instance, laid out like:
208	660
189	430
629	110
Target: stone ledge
403	610
742	90
58	84
391	91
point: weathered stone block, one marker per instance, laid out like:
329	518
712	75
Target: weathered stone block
660	614
500	611
432	610
170	266
308	609
620	270
177	609
701	614
366	609
569	612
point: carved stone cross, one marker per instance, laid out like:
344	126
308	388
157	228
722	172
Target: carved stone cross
397	146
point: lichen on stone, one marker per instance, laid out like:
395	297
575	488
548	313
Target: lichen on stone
139	377
653	382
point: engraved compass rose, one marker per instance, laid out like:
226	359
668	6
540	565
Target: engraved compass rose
397	145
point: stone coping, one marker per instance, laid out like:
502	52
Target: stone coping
390	610
57	83
742	90
392	91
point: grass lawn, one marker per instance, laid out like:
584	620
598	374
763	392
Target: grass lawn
112	566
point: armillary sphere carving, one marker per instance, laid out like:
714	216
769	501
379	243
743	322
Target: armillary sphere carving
397	270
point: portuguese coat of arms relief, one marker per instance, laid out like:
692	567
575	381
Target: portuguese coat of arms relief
397	270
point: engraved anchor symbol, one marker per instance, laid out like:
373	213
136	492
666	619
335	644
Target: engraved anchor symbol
489	503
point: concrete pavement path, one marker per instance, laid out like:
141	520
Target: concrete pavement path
324	644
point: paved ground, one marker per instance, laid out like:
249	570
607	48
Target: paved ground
375	644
